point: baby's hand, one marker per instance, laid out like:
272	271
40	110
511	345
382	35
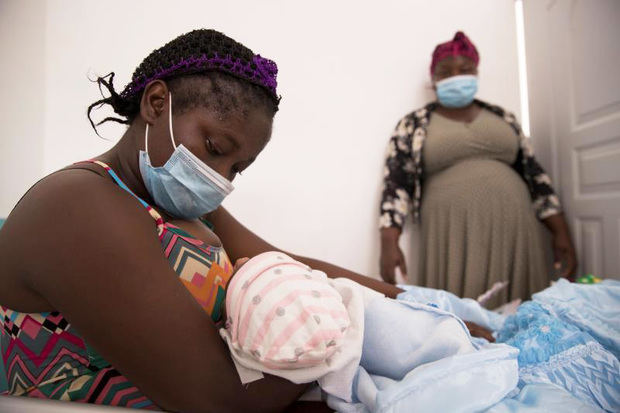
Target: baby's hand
239	263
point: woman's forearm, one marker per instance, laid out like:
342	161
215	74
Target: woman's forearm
557	224
240	242
333	271
389	290
390	235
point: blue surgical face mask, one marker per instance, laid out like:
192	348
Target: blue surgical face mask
184	186
457	91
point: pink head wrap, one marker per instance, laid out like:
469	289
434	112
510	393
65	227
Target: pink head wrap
460	45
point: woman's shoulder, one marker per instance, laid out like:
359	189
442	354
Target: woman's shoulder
420	113
76	189
67	207
64	218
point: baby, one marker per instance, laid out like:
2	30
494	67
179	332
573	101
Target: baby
285	319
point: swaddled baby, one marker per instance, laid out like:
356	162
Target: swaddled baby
285	319
283	315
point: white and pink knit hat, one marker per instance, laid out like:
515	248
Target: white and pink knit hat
282	314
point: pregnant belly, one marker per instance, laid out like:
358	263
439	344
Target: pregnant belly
476	182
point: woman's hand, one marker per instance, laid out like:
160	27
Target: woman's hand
391	257
564	257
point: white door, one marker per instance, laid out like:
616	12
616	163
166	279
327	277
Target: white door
573	67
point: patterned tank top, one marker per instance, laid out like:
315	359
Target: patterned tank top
45	357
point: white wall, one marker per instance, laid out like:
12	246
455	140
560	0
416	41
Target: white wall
22	105
348	71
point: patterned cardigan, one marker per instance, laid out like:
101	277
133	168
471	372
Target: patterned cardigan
403	175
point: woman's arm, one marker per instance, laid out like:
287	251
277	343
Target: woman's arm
544	198
241	242
546	202
334	271
564	256
99	262
398	188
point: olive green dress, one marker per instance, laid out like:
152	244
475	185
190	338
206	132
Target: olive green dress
478	222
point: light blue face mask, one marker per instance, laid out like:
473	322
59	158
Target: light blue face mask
457	91
184	186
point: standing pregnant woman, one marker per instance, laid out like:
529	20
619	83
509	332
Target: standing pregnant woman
470	176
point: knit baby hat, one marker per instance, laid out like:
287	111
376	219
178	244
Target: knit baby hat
283	314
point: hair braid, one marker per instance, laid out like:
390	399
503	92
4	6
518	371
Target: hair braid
232	76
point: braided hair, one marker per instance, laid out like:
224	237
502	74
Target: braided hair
203	68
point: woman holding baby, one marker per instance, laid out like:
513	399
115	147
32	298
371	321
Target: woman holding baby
116	298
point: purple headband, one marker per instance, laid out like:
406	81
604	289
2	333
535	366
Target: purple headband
261	71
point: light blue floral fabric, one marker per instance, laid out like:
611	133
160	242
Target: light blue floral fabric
557	352
568	339
539	335
594	308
